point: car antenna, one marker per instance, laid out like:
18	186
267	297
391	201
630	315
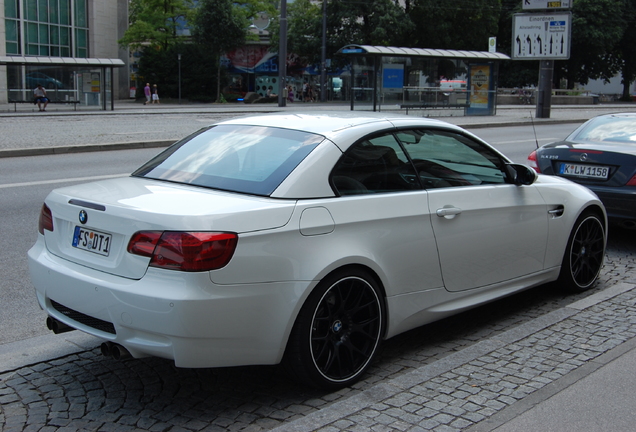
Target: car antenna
534	130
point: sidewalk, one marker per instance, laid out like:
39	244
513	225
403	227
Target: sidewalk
133	125
552	374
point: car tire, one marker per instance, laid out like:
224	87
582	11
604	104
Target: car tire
584	254
338	331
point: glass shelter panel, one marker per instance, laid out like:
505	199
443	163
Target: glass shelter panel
67	87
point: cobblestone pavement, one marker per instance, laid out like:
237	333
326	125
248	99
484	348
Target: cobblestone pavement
450	375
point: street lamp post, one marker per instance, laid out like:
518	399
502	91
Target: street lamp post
282	54
323	60
179	59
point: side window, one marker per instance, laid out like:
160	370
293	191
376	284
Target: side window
447	159
374	165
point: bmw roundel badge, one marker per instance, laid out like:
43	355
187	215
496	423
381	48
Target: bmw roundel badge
83	216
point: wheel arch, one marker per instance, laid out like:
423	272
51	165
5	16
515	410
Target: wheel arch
342	268
582	264
293	350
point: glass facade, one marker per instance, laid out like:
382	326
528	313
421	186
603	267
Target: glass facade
51	28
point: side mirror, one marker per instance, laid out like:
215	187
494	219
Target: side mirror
519	174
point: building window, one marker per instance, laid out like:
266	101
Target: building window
47	27
12	25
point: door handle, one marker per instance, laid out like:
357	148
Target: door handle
448	211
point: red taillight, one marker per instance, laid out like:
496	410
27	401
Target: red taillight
184	251
532	161
46	219
632	181
143	242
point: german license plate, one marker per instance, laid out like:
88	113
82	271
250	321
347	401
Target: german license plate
588	171
92	241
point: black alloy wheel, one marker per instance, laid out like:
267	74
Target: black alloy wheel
338	331
584	254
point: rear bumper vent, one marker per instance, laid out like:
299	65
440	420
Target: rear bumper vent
81	318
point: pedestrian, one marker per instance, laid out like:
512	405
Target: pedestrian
155	94
305	91
147	93
290	93
40	97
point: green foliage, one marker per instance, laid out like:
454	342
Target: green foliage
626	49
371	22
597	27
219	26
154	23
162	68
457	24
603	34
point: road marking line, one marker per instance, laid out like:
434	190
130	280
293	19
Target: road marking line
66	180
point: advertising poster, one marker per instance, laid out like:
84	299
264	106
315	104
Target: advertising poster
479	86
393	77
481	99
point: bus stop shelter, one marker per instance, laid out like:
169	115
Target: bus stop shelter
389	78
87	82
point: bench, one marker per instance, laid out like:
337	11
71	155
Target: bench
16	102
425	105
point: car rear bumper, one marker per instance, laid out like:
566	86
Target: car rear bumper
620	203
174	315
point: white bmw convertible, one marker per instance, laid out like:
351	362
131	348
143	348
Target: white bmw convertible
305	239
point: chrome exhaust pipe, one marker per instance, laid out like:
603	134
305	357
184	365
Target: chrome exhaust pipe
56	326
116	351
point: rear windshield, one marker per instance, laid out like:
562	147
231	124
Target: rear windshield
237	158
608	129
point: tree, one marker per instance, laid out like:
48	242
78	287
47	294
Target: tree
457	24
626	49
162	67
222	25
370	22
155	23
597	27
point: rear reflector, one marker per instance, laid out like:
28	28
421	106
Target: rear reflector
184	251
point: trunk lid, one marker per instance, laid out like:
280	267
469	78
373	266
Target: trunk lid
590	163
113	210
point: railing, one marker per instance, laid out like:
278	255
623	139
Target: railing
52	94
434	97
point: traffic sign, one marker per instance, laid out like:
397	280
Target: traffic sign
541	36
546	4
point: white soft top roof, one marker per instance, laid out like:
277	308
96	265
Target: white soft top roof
326	123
